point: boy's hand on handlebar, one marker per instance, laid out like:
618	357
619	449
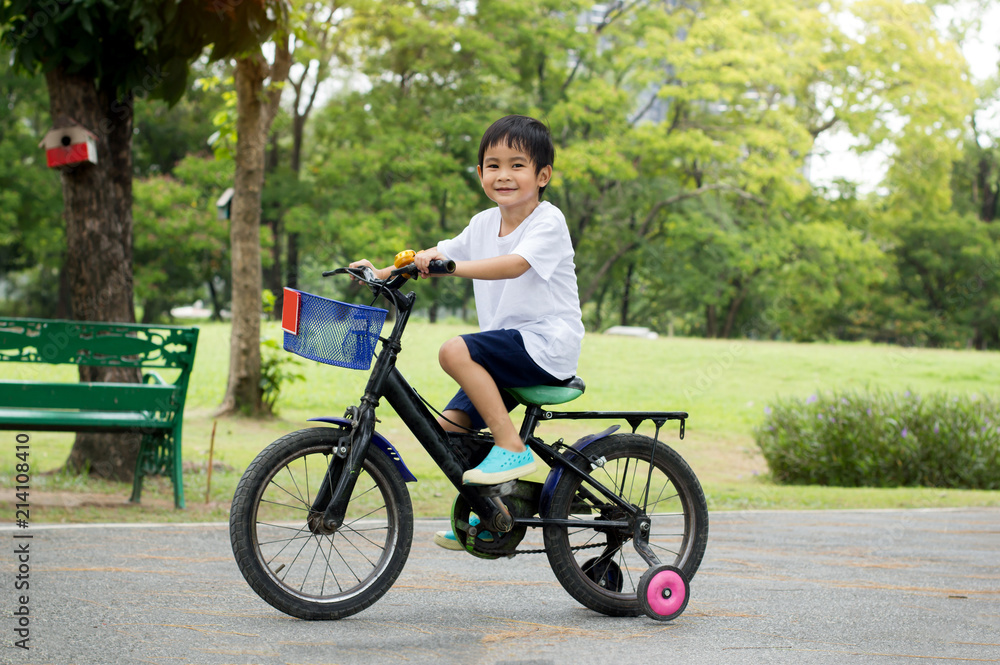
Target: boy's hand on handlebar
380	273
423	260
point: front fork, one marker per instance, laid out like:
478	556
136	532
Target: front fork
327	512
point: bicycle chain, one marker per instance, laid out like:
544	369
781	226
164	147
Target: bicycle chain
543	550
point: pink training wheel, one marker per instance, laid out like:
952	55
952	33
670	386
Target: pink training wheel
663	592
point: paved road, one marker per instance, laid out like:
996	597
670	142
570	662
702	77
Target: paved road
775	587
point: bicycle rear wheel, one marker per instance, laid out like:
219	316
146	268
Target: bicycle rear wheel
599	566
281	552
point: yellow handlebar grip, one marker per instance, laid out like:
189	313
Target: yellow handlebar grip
404	258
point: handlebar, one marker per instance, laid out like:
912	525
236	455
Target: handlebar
436	267
396	278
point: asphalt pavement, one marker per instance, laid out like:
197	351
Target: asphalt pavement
892	586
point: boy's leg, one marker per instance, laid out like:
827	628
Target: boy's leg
453	420
482	391
509	459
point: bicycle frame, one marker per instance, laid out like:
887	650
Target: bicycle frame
386	381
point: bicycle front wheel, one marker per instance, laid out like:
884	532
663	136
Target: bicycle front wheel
283	555
599	566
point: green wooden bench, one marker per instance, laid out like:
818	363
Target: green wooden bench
154	408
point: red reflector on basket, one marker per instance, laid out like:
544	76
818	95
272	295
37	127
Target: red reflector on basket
291	306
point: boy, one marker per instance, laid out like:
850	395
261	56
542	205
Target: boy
520	257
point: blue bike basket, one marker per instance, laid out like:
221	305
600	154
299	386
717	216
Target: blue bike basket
330	331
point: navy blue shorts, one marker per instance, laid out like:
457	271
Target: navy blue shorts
502	354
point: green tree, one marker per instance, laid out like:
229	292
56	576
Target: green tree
323	39
31	246
181	248
976	179
692	124
211	177
948	266
256	108
98	59
165	133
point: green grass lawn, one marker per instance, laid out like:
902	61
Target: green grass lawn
724	385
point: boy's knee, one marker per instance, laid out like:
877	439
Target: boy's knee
454	420
452	351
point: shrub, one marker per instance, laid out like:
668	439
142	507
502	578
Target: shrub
277	370
882	439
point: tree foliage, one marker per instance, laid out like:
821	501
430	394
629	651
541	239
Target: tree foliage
31	248
684	133
97	59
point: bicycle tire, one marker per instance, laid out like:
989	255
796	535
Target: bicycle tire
678	512
309	575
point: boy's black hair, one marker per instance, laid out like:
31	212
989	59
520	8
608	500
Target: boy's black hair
521	132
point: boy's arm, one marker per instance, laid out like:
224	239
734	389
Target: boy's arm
508	266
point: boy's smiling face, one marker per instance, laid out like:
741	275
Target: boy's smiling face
509	179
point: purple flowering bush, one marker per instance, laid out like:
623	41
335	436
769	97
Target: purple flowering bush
883	439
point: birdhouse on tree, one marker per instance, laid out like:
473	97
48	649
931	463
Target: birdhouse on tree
69	146
224	205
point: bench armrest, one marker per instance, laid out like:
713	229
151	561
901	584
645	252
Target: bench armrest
153	377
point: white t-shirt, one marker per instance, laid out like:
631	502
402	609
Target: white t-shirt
543	303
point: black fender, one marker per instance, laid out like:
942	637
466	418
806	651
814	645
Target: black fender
380	442
556	474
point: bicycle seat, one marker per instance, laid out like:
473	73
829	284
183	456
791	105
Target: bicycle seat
550	393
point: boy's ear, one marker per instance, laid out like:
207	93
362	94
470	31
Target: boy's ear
544	176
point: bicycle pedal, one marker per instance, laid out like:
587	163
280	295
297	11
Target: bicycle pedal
503	489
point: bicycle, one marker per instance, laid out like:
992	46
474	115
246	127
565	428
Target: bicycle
321	521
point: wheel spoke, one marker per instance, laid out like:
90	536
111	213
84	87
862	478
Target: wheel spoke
665	549
623	564
282	488
289	542
285	505
288	470
365	556
288	567
285	540
305	577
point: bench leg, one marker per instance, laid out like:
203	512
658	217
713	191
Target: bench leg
160	454
136	486
141	463
177	468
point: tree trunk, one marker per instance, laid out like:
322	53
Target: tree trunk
255	111
216	303
734	308
292	270
243	390
64	308
274	275
989	185
626	294
298	132
97	207
710	322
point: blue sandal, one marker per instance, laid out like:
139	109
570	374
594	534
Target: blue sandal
447	539
500	466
